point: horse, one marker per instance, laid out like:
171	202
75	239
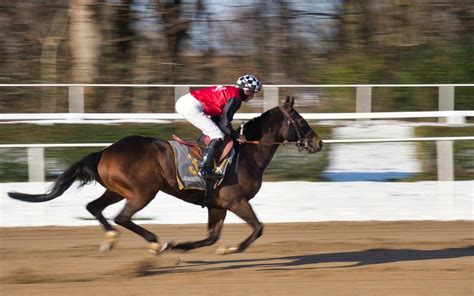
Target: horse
136	168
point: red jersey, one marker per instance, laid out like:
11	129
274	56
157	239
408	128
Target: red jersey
214	98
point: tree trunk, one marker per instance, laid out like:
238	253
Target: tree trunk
84	40
49	50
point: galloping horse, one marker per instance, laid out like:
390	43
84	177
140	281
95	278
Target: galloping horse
135	168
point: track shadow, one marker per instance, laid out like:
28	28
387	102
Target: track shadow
360	258
313	261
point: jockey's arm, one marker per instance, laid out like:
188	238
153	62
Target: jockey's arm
225	120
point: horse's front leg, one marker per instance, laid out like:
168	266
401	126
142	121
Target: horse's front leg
244	210
216	219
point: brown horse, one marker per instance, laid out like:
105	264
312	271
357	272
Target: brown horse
135	168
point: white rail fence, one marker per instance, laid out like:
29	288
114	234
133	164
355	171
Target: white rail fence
446	94
445	113
444	146
450	117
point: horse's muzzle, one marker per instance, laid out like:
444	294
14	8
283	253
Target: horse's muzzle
314	146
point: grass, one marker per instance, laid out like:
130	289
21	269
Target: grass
287	164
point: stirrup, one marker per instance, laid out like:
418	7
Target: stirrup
208	173
205	172
218	173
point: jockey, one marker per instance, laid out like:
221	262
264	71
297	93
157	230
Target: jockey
220	103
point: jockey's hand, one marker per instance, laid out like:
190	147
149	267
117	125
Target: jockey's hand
241	139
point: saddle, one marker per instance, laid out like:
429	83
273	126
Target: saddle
188	156
196	147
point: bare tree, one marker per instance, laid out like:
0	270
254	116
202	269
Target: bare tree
175	29
84	38
50	37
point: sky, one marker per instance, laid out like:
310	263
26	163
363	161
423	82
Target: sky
223	15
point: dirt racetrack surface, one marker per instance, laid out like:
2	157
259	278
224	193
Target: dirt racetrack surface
330	258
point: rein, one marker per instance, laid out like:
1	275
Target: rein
299	143
268	143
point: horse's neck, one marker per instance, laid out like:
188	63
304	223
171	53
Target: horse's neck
258	156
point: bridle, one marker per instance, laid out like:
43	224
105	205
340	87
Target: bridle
301	131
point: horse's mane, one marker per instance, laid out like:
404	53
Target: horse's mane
254	127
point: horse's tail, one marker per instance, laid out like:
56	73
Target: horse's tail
85	170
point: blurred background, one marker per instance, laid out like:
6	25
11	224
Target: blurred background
282	42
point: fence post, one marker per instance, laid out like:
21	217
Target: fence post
363	100
444	159
446	103
76	99
270	97
35	164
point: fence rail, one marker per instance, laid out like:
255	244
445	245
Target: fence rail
444	145
204	85
446	93
338	141
64	117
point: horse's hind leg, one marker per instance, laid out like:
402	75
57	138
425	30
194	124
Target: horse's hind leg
214	226
95	208
244	210
124	218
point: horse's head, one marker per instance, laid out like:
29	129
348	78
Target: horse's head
296	129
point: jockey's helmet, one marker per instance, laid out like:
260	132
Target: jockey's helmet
249	82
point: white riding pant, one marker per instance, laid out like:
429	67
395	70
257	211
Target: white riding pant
192	110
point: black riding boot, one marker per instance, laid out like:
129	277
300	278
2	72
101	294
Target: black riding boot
207	167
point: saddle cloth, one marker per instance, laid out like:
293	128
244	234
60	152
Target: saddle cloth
188	159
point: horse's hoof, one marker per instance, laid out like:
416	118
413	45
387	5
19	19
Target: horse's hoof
170	245
110	241
158	248
226	250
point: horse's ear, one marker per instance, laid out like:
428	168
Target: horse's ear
288	103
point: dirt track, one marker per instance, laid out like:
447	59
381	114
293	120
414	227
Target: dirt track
362	258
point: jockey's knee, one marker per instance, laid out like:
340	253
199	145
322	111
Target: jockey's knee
217	134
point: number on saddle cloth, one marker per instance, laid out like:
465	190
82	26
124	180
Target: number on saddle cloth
188	156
